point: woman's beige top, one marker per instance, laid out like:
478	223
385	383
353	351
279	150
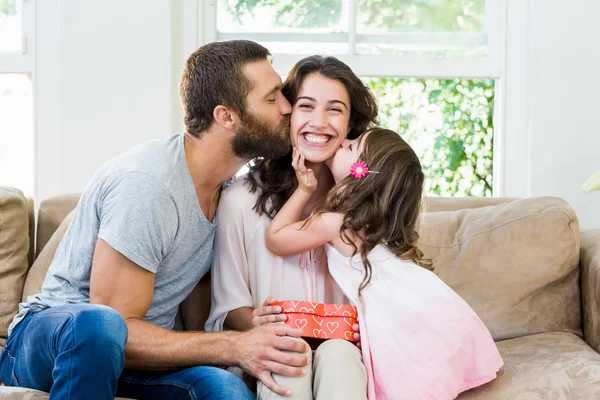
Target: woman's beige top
245	272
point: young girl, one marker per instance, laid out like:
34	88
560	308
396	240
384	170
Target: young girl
420	340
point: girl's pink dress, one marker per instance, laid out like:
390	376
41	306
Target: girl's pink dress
420	340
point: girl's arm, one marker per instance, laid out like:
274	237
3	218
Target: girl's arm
285	236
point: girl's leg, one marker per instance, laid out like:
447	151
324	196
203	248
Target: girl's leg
300	386
339	372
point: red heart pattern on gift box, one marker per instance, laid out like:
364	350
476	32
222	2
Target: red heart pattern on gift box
321	321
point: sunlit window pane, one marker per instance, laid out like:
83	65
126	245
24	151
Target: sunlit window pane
282	16
16	132
10	25
385	16
438	28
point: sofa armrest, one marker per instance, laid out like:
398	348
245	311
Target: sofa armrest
590	286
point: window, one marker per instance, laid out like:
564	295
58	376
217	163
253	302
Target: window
449	124
11	26
16	96
434	66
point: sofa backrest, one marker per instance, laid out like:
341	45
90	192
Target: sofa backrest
54	217
51	214
437	203
54	210
14	253
37	272
516	263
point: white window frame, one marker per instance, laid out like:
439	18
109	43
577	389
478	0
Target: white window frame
22	62
487	66
507	28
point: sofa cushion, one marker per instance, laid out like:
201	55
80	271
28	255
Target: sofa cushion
52	212
590	286
545	366
37	273
31	214
18	393
14	248
516	263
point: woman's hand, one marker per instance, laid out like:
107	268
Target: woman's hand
306	177
267	314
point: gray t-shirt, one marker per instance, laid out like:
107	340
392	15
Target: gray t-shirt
143	204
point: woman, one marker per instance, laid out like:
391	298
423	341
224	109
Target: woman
330	103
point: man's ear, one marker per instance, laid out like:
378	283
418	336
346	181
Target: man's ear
225	117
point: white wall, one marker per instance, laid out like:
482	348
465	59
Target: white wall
106	83
565	107
107	73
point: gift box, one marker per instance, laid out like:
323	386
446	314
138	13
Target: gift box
321	321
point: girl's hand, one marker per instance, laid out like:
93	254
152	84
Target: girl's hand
356	329
267	314
306	177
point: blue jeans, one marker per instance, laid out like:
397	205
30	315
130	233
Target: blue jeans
78	352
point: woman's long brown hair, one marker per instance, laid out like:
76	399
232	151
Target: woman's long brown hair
384	207
276	179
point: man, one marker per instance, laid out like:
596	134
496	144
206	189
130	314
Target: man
141	239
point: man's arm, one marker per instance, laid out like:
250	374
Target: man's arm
121	284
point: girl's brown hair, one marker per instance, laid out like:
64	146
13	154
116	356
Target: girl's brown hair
276	179
384	207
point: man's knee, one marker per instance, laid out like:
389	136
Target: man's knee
213	382
100	326
301	386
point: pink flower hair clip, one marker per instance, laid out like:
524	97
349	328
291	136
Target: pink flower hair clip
360	169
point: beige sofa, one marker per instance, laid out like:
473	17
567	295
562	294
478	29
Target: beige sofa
523	265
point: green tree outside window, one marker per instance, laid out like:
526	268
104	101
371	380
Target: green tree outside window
8	7
449	123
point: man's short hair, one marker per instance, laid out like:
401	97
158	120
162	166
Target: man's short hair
214	76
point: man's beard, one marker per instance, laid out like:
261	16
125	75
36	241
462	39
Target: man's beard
256	138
